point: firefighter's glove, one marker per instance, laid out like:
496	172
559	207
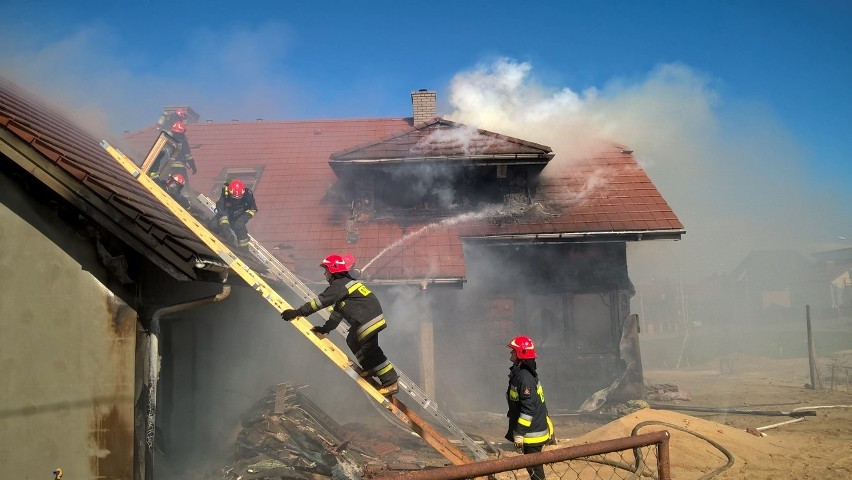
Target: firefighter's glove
289	314
321	329
191	162
519	443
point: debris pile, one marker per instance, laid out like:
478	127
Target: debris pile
665	392
285	435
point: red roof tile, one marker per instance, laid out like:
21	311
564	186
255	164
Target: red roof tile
97	184
301	227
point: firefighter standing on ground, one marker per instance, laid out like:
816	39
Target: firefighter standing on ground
530	427
351	300
235	208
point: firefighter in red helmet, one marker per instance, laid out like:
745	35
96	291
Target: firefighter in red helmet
174	123
530	427
173	186
234	209
349	299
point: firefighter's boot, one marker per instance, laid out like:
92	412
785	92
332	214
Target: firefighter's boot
243	244
389	390
388	378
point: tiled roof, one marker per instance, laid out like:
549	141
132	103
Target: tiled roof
298	223
439	138
296	219
70	161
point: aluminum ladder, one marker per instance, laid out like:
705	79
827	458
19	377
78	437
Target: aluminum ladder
285	276
332	351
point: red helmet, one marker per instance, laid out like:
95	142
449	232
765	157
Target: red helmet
177	177
180	112
335	263
524	347
179	127
236	188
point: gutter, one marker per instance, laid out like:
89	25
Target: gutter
179	307
422	283
610	236
151	370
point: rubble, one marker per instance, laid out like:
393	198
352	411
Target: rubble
665	392
286	436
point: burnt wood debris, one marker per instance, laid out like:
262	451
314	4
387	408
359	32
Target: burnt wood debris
286	435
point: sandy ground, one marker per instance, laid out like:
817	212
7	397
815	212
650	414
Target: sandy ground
818	447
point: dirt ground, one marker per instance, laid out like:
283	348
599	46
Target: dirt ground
817	447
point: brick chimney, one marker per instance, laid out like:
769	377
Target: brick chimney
423	105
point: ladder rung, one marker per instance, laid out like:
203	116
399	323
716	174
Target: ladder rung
330	349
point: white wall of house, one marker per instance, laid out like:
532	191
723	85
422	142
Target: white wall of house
67	349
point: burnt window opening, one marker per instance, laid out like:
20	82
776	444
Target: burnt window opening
427	189
250	176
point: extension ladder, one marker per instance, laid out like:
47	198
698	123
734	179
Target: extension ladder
285	276
335	354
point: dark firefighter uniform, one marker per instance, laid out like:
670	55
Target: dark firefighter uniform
236	212
181	158
528	416
174	188
351	300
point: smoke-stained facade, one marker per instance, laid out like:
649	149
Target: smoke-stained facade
572	298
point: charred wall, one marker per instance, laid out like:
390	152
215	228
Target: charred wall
571	298
429	189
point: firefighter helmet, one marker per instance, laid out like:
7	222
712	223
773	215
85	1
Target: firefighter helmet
179	127
335	264
524	347
236	188
177	177
180	112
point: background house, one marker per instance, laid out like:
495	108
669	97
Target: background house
759	308
470	237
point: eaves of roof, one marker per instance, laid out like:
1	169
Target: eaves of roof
69	160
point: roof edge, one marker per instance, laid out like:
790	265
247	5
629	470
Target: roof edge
578	237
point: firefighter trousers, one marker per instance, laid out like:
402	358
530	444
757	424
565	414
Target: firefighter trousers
371	357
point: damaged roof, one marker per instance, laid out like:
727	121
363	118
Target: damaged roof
69	160
294	164
604	197
438	139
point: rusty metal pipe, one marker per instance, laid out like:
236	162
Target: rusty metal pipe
488	467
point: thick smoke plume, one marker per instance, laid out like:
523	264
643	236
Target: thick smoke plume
732	173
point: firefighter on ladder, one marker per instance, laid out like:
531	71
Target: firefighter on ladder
530	427
234	209
349	299
174	123
173	186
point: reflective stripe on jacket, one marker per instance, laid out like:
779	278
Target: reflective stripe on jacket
350	300
527	409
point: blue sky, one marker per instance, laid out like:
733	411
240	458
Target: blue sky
738	110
